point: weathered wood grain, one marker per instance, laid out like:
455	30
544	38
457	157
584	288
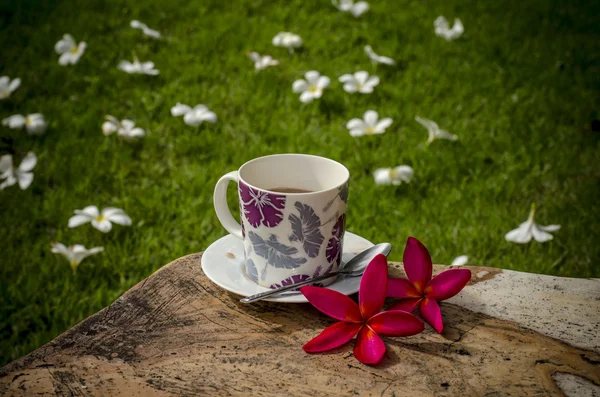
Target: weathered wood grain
176	333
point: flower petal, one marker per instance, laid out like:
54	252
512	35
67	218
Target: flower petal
369	348
28	162
417	263
395	323
355	124
104	225
383	124
372	81
312	77
460	260
361	77
306	97
447	284
350	87
333	336
180	109
357	132
299	86
407	305
401	288
323	82
332	303
25	179
77	220
373	287
359	8
382	176
540	235
14	84
90	210
120	218
371	117
520	235
549	228
431	312
346	78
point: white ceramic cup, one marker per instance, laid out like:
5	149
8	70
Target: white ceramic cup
288	237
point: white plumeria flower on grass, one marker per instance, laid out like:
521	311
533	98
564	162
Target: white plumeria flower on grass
193	116
287	40
369	125
434	130
155	34
7	86
356	9
125	129
393	176
137	67
378	58
262	61
100	220
529	229
34	123
460	261
311	86
442	28
22	174
69	50
74	253
359	82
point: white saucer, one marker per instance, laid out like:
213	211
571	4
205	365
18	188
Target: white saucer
223	264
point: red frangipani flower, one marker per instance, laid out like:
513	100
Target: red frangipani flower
420	289
363	319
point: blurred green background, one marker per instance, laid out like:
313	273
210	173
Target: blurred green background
520	89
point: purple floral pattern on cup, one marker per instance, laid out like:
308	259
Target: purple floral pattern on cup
295	279
334	244
261	207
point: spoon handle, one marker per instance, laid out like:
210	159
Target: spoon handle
262	295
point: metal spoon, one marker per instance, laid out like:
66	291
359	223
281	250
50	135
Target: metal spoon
354	267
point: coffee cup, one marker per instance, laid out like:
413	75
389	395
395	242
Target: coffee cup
292	216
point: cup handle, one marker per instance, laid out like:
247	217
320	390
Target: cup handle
221	207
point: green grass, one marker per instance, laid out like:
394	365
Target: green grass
520	89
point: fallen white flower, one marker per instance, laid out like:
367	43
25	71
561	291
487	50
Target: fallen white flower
22	174
434	131
74	253
125	129
359	81
356	9
287	40
369	125
529	229
395	176
145	29
138	67
7	86
442	28
193	116
460	260
312	87
100	220
378	58
262	62
69	50
34	123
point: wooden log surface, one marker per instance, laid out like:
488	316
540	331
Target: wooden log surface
177	333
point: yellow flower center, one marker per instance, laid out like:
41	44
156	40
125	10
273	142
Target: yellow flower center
370	130
99	218
74	50
393	174
27	121
313	89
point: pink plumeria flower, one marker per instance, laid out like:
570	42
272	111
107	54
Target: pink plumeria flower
363	319
422	290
